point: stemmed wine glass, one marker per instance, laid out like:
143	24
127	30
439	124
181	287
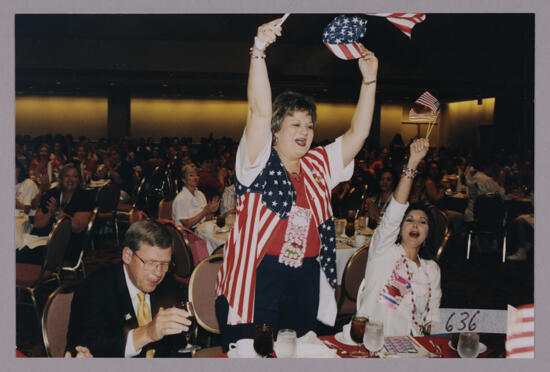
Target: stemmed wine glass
263	340
357	330
188	306
374	337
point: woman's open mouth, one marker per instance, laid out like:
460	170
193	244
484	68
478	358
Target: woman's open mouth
301	142
414	234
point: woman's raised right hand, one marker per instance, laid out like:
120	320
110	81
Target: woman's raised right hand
268	32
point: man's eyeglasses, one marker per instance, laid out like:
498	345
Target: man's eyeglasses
153	265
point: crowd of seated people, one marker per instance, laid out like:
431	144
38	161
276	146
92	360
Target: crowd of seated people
125	161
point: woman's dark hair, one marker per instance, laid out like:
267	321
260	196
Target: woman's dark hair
288	102
23	175
426	249
386	170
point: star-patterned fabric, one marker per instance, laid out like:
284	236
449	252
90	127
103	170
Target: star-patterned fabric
342	34
261	205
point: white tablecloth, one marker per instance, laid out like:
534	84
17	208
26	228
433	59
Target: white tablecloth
212	234
22	236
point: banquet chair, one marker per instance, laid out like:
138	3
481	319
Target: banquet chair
440	234
183	258
78	266
202	292
55	320
165	209
108	198
219	249
489	224
354	272
29	278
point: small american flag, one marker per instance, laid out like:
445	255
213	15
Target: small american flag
428	101
422	117
403	21
341	36
520	333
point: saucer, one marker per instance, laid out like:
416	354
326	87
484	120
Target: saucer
234	354
341	339
480	350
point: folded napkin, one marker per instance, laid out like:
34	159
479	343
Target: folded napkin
309	346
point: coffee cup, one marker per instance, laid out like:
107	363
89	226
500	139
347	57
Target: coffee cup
244	348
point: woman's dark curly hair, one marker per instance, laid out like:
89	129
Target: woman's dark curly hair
426	249
288	102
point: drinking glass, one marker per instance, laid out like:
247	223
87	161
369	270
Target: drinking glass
188	306
356	331
350	229
374	337
339	226
468	345
286	343
263	340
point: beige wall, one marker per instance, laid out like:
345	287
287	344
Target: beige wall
198	118
78	116
461	121
156	118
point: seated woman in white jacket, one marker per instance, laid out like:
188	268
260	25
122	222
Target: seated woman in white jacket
402	290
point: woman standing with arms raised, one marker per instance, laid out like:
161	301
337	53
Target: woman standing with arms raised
279	264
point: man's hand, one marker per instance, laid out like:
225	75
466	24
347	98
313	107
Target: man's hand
81	352
169	321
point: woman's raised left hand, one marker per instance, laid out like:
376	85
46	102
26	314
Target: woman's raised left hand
368	64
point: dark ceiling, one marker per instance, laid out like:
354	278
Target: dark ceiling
456	56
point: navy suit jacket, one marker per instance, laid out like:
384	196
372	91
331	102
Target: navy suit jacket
102	314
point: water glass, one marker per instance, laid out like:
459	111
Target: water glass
468	345
374	336
340	226
286	343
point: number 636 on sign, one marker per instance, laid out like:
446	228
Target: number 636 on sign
470	320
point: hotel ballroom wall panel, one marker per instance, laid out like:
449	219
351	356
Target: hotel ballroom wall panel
61	115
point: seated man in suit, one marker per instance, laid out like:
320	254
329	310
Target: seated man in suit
127	309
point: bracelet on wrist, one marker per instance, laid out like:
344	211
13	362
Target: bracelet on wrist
369	82
409	172
255	56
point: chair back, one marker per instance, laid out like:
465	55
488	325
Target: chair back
165	209
183	258
58	242
108	198
354	273
55	320
439	229
202	292
489	212
86	241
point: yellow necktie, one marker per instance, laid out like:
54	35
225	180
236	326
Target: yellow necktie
144	317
